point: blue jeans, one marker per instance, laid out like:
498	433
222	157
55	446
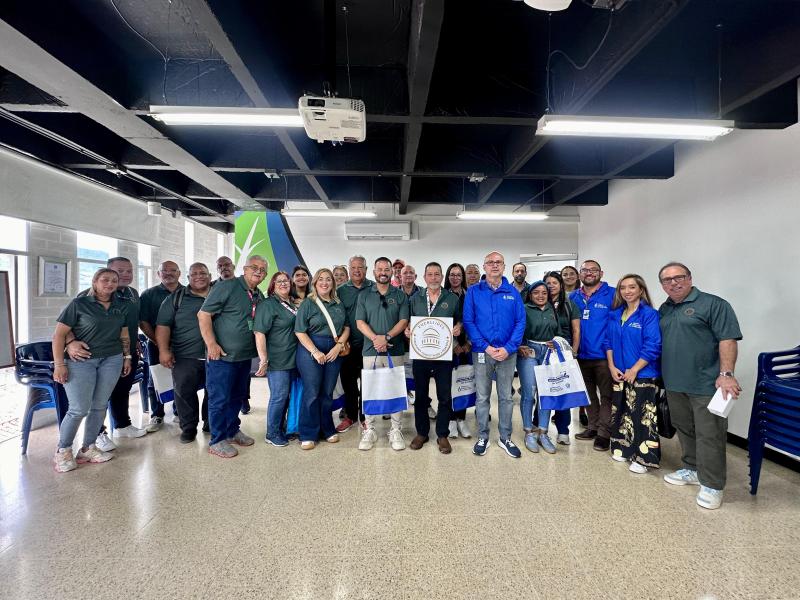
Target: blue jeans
279	387
318	383
504	372
89	384
227	385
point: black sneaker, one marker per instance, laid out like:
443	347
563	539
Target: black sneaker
588	434
246	406
583	418
510	448
187	437
206	427
601	444
480	447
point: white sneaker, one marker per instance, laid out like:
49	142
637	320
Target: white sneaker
104	443
396	440
176	420
709	498
368	439
410	396
63	460
563	439
637	468
93	455
431	412
453	430
618	458
129	432
463	429
682	477
155	424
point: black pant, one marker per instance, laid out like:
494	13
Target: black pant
351	375
121	396
188	376
596	376
442	373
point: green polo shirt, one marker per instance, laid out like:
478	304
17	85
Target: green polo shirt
276	322
99	327
126	294
349	294
565	319
690	335
185	339
233	305
150	302
540	325
381	319
310	319
448	305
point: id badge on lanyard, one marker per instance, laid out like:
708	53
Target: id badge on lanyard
253	305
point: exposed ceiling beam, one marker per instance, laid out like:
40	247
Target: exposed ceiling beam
426	28
631	30
22	56
212	28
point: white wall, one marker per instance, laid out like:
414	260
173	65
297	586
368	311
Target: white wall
322	243
732	214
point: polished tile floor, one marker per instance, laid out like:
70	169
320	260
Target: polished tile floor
165	520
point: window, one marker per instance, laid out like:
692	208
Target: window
145	262
15	260
93	253
188	241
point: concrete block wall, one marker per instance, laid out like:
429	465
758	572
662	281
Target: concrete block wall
171	233
205	247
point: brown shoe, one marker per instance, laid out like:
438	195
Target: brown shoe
601	444
418	442
589	434
444	445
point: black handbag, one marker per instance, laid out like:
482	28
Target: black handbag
664	424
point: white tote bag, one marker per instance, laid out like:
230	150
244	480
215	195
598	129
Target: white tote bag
162	382
462	390
559	382
409	369
383	390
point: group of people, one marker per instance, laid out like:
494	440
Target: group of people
329	327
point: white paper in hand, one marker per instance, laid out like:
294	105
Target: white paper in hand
721	406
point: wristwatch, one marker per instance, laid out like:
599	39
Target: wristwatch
726	373
127	357
388	337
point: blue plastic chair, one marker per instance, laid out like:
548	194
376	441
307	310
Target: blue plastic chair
775	418
34	368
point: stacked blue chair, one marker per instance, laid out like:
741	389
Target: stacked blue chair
775	419
34	368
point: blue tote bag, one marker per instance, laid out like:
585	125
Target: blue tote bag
383	390
559	382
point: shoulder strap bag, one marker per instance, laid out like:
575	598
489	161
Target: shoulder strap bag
346	345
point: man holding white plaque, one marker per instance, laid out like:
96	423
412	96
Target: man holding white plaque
435	320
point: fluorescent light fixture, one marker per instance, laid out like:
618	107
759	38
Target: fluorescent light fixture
356	214
630	127
549	5
477	215
225	116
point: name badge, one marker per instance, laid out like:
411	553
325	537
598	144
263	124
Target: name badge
250	324
586	314
481	358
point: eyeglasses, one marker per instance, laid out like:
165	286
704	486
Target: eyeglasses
282	282
671	280
590	271
493	263
255	269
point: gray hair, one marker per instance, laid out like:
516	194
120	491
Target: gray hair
253	257
356	257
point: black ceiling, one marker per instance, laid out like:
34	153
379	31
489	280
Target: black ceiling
452	87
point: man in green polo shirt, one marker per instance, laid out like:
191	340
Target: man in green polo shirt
434	301
350	373
169	273
381	317
226	323
181	347
699	335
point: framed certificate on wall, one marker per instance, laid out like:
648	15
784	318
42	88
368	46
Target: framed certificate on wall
54	276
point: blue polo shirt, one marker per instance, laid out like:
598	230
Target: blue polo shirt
594	311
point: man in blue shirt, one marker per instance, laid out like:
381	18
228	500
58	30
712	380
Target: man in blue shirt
494	318
594	299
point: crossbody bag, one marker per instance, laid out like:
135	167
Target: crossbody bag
345	345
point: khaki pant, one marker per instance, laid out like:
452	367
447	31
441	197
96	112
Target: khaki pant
383	362
703	436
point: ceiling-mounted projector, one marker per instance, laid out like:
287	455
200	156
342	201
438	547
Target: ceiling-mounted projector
549	5
333	119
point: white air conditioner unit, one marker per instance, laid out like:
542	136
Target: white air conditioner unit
333	119
377	230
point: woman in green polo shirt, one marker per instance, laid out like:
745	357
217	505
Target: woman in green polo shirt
276	344
322	330
100	320
541	326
